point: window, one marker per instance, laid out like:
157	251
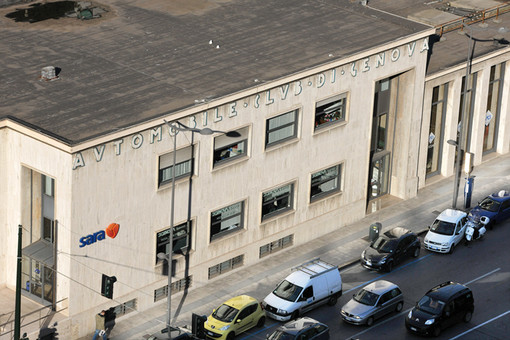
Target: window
226	266
48	185
325	182
228	148
125	307
48	230
281	128
277	245
181	239
183	165
177	286
491	120
469	93
277	201
329	111
227	220
436	128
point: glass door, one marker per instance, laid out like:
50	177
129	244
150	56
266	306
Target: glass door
379	175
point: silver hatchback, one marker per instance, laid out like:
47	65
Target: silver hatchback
372	302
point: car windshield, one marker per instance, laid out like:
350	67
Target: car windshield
280	335
489	204
442	227
225	313
365	297
430	305
287	291
384	245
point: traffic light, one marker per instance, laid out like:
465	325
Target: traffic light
107	286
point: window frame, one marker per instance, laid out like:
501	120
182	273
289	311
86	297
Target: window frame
182	154
273	200
217	151
320	110
269	131
160	244
323	194
222	233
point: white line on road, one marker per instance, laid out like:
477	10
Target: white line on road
481	277
480	325
407	310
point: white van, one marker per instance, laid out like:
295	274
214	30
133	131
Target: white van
308	286
446	232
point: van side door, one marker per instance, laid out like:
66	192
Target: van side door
307	299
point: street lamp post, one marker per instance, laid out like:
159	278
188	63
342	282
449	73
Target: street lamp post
460	143
177	126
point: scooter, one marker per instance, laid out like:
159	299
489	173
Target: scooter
475	231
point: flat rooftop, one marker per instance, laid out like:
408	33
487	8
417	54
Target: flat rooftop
146	59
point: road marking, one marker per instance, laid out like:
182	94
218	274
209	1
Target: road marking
480	325
394	270
481	277
407	310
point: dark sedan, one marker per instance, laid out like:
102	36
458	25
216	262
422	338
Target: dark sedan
391	248
496	207
301	329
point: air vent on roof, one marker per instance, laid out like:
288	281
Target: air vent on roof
48	73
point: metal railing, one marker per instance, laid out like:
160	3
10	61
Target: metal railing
479	16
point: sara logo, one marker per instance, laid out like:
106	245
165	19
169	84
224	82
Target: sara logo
112	230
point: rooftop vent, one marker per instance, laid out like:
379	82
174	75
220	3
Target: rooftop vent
48	73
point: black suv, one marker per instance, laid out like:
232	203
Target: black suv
442	306
390	248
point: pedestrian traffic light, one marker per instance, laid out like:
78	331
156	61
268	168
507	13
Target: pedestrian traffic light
107	286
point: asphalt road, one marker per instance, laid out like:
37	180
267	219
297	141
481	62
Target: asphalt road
483	265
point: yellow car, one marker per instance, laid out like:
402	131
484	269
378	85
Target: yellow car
233	317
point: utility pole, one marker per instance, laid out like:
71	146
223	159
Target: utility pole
17	310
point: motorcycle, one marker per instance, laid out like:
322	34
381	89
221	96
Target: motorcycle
475	231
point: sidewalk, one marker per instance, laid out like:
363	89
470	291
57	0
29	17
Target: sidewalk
340	247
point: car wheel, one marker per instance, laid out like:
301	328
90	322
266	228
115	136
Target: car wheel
295	315
437	331
261	322
468	316
416	252
389	266
399	307
332	300
231	336
370	321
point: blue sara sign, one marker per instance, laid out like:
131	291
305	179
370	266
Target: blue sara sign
112	230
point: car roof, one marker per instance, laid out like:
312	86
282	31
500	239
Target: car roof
451	215
397	232
380	287
295	326
446	290
500	196
240	301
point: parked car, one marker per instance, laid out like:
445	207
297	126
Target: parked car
446	232
390	248
309	285
495	206
301	329
372	302
233	317
441	307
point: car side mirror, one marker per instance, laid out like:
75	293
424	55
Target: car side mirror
239	320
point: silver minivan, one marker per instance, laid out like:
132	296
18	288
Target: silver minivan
372	302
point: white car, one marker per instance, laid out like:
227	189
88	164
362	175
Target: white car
446	232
